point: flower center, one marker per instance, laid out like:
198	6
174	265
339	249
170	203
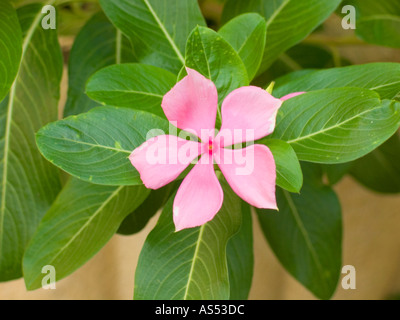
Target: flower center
210	146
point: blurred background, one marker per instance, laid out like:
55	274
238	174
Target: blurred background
371	221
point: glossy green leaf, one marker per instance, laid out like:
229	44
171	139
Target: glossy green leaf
158	29
380	170
136	86
190	264
28	183
336	125
139	218
208	53
95	146
240	258
10	46
288	21
97	45
288	170
378	22
80	222
306	234
383	78
246	34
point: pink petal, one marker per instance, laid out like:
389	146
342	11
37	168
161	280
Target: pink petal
192	103
162	159
248	114
251	173
291	95
199	197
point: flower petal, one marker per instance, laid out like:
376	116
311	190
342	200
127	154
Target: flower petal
251	173
192	103
248	114
199	197
291	95
162	159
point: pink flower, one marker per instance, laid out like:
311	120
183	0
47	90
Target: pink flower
248	114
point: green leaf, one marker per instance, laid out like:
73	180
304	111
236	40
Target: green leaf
97	45
240	258
336	125
246	34
28	183
383	78
136	86
10	46
306	234
288	21
189	264
378	22
158	29
208	53
95	146
139	218
80	222
288	170
299	60
380	170
335	172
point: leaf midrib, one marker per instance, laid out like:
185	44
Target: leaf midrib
93	145
303	231
165	31
276	13
118	46
337	125
10	108
195	256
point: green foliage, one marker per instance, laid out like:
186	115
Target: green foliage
288	170
378	22
384	78
208	53
306	233
138	219
246	34
79	223
241	258
330	125
158	29
79	145
288	21
96	46
28	183
10	46
136	86
380	170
